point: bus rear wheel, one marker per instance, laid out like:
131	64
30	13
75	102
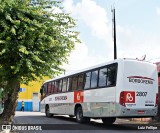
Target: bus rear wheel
48	114
109	120
79	116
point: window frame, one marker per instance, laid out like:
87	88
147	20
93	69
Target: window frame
70	77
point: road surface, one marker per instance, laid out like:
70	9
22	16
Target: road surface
64	124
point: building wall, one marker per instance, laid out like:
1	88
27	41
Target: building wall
26	95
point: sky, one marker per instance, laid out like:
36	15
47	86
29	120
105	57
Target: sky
137	30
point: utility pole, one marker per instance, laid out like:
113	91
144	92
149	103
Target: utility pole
114	31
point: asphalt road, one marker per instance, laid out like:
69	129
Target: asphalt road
64	124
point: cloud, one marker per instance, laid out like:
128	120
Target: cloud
134	43
92	15
80	59
88	13
68	5
158	11
131	42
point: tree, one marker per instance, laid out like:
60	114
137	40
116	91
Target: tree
34	42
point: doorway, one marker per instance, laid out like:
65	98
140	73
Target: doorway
35	102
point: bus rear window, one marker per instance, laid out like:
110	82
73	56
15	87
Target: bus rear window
107	76
111	75
102	77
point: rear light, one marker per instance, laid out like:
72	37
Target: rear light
122	99
156	100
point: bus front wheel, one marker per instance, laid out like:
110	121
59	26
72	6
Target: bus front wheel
109	120
79	116
48	114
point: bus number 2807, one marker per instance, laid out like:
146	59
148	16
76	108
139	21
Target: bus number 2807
140	93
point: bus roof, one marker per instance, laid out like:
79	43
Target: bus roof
95	66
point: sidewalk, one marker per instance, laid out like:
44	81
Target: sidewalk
131	122
127	121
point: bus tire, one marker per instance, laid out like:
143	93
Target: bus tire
109	120
48	114
79	116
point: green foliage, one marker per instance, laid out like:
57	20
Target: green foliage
1	94
34	41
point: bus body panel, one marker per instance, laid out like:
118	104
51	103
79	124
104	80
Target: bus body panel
126	112
62	103
96	102
139	82
136	80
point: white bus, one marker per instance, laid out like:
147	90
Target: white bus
123	88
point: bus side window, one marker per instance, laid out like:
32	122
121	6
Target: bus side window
60	85
56	86
111	75
102	77
44	89
64	85
74	82
49	87
80	81
41	90
69	84
94	78
52	89
87	77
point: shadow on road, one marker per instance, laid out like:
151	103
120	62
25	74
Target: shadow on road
101	126
69	123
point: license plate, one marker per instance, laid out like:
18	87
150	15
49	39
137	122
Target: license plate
141	111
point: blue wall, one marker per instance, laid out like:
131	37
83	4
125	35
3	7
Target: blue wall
27	106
